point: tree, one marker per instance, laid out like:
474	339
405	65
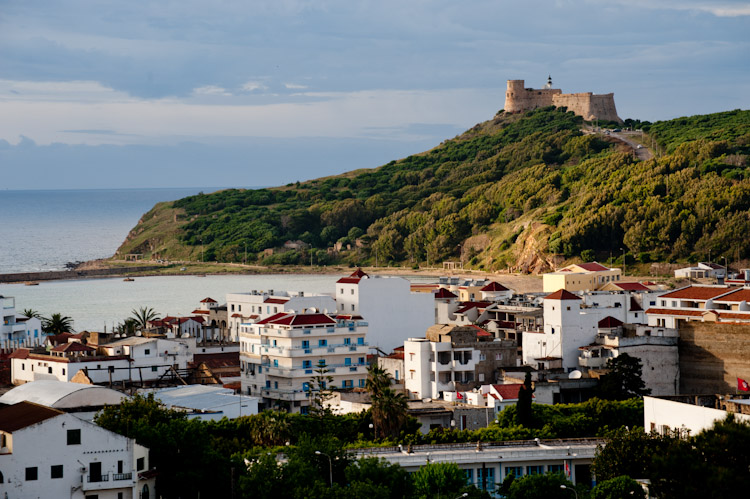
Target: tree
523	405
618	488
32	314
624	379
143	315
57	323
381	473
436	480
540	486
321	390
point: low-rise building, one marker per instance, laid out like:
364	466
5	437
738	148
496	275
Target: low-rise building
487	464
580	277
701	271
17	330
676	414
720	303
280	354
454	358
47	453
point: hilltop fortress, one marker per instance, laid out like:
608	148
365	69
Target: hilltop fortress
588	105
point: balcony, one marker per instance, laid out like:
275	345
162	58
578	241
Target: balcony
593	362
318	350
97	478
122	476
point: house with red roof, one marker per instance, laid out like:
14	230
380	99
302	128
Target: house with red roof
580	277
281	353
701	303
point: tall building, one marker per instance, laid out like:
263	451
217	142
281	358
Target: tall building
280	355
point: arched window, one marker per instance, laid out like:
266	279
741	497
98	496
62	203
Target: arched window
144	492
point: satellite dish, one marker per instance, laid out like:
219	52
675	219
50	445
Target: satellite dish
575	374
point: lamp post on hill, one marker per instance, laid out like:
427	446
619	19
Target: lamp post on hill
330	467
569	488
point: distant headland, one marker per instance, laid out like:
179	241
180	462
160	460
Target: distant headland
587	105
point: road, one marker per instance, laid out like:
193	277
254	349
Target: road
643	153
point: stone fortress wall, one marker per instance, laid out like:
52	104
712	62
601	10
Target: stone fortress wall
587	104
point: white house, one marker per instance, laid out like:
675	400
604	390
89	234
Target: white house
701	303
662	415
132	360
17	330
279	355
392	311
47	453
702	270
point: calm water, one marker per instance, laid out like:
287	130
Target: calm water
94	303
43	230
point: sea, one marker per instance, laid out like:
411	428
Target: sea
44	230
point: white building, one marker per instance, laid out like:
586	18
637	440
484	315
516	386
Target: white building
487	464
279	355
701	303
571	321
453	358
248	308
207	402
662	415
702	270
47	453
393	312
17	330
132	360
655	347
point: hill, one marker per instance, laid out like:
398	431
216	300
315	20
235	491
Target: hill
517	190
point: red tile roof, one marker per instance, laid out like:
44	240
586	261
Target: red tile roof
236	315
208	300
198	311
508	392
742	294
21	353
731	315
593	267
468	305
348	280
358	273
561	294
699	292
23	414
673	311
481	333
279	301
269	320
494	286
349	317
609	323
444	293
73	347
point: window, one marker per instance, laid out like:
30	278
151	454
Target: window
361	361
305	343
147	351
535	470
322	343
553	330
276	385
469	477
347	341
556	468
63	371
396	376
514	470
119	467
239	308
361	383
360	341
49	370
31	473
140	464
56	471
305	387
352	291
486	478
275	362
306	364
153	369
74	437
232	307
268	384
342	291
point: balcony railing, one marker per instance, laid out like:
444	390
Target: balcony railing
122	476
98	478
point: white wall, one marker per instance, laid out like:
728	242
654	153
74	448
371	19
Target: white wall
659	414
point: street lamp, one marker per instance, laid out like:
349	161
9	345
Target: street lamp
574	490
465	494
330	466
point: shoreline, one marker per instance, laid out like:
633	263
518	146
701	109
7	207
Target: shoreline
112	269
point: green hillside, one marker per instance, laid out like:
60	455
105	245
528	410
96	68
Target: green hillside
511	191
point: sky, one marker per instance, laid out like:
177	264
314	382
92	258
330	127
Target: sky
182	93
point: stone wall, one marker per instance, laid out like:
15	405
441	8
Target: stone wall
588	105
72	274
713	356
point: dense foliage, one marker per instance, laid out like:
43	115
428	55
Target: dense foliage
494	180
714	463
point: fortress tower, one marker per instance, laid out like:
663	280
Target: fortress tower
588	105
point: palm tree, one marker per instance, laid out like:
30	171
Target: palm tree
142	316
32	314
389	408
57	323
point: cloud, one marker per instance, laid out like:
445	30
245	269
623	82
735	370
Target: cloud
252	86
211	90
718	9
294	86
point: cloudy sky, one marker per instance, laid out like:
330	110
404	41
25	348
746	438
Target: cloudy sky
182	93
